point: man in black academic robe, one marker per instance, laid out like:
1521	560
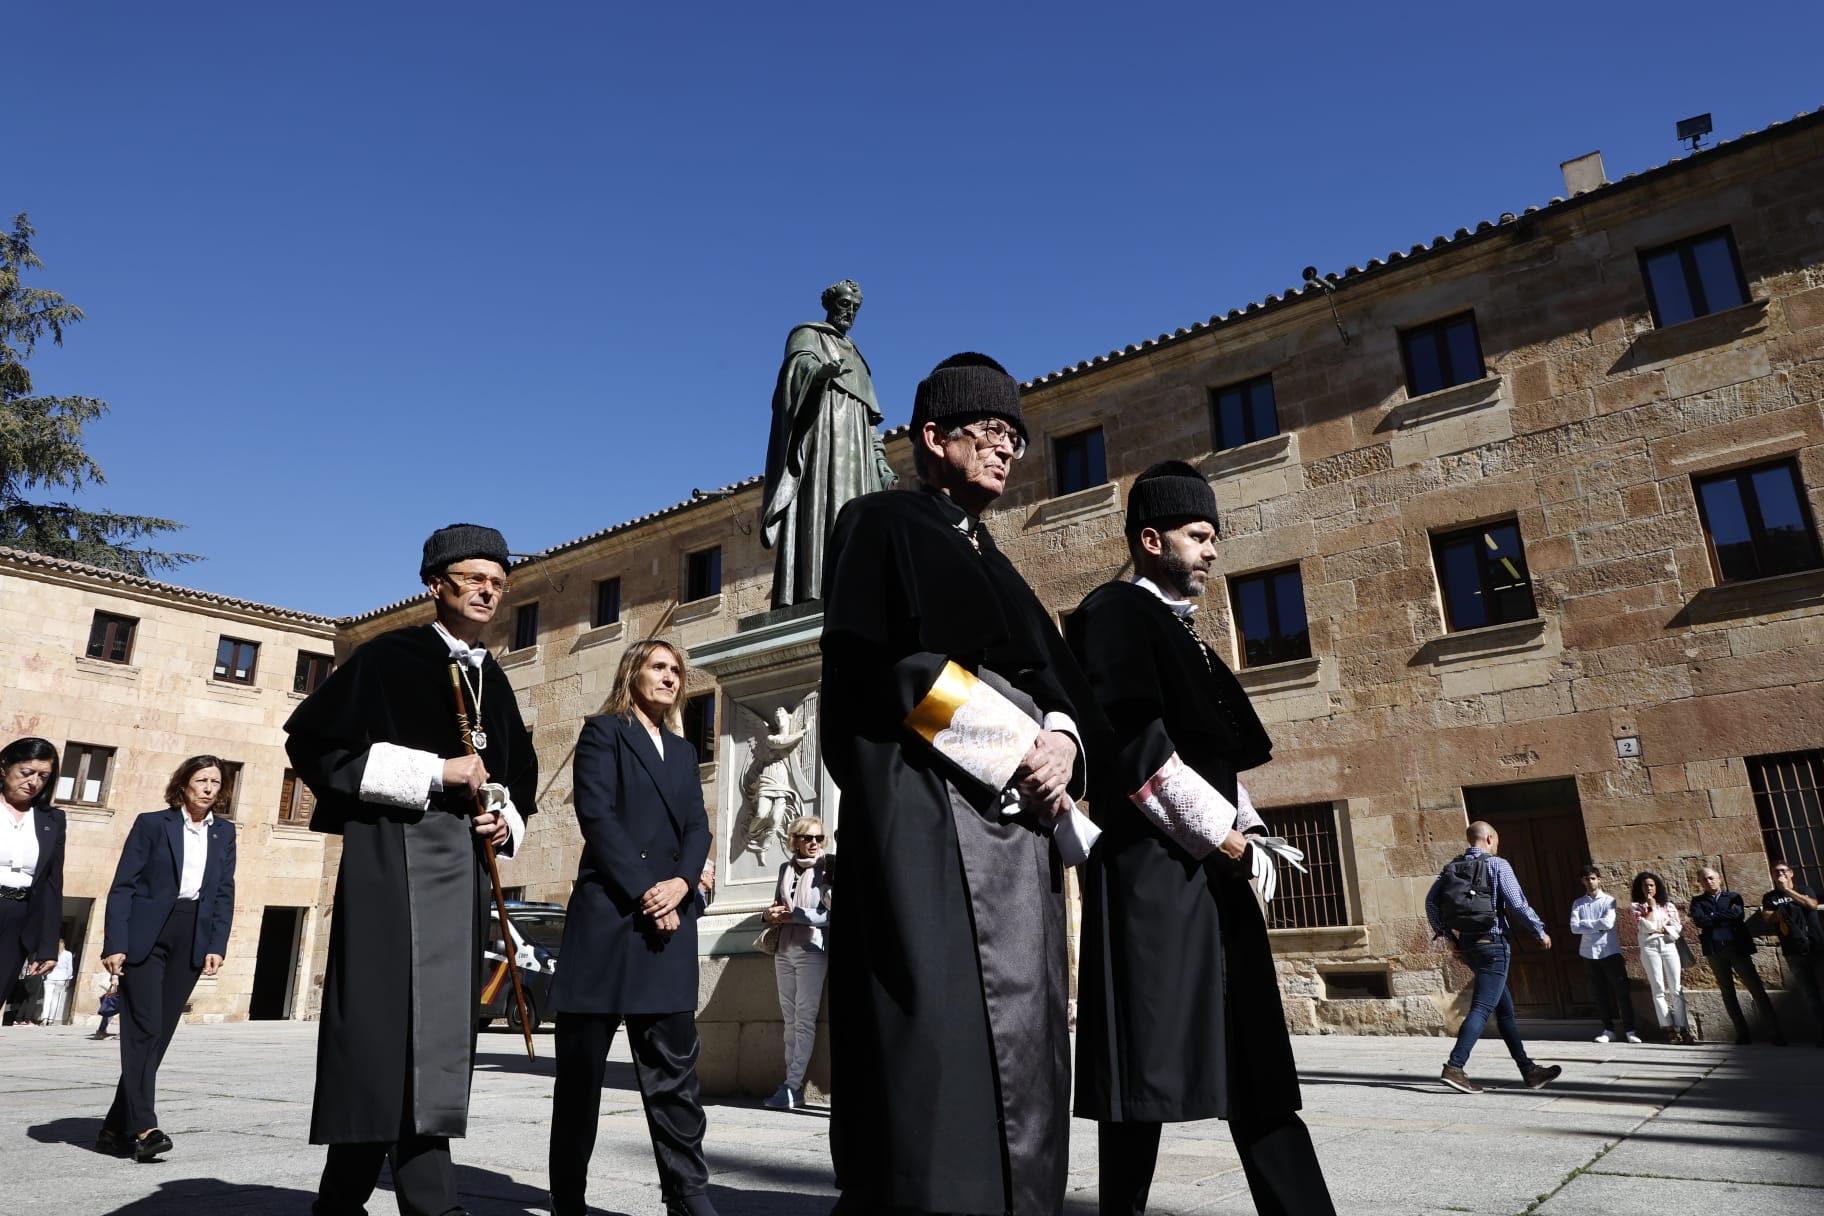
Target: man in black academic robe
950	710
380	746
1178	1009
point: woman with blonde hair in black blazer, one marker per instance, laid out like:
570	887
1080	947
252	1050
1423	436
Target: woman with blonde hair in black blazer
32	834
169	913
630	937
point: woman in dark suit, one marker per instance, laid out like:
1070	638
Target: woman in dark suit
629	952
32	835
169	913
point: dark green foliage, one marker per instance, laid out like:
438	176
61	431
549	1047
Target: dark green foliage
41	437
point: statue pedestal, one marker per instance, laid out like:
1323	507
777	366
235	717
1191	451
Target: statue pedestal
771	773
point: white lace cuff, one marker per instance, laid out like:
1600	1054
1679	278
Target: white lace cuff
1186	807
974	727
399	776
1245	815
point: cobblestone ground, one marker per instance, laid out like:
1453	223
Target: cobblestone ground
1627	1130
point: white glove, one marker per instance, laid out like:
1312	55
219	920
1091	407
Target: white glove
494	797
1266	850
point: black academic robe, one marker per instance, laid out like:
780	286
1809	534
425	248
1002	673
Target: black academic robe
642	819
1178	1008
947	980
403	982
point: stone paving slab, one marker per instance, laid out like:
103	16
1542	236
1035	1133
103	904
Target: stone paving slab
1623	1131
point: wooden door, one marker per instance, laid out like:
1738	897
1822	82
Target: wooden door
1542	837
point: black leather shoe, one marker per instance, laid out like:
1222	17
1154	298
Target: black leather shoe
113	1143
149	1146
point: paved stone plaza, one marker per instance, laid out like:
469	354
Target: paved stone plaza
1628	1130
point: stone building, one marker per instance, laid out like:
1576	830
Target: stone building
129	677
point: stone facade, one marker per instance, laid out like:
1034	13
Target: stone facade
160	704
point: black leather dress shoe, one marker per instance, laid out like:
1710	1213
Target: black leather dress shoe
113	1143
149	1146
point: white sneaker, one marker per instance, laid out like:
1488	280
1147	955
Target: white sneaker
1605	1037
1632	1037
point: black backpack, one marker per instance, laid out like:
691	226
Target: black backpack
1466	898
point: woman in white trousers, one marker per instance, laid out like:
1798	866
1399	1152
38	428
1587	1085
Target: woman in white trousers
800	916
1658	927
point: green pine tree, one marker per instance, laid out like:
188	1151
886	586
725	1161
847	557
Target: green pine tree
41	438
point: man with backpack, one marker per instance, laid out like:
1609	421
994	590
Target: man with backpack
1471	903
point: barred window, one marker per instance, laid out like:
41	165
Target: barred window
1317	899
1789	798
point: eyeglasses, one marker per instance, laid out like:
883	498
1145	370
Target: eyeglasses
993	433
471	581
817	839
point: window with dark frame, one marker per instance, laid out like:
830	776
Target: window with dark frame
235	660
700	725
1270	616
1442	354
1756	522
1482	575
1789	799
312	670
223	807
1079	461
111	637
607	603
1318	898
296	802
1693	278
82	779
1241	413
703	574
525	626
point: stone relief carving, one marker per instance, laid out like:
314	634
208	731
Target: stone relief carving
777	781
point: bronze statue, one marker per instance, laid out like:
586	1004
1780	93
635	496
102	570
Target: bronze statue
825	447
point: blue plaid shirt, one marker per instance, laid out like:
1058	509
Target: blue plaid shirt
1508	898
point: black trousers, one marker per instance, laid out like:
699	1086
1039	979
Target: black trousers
1277	1156
152	998
1727	967
665	1048
13	915
1609	977
424	1180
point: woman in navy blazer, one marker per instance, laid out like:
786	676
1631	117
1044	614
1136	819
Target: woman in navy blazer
32	834
169	913
630	936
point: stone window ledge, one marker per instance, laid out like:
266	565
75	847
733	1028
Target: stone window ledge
225	690
1275	451
1077	506
124	673
1693	337
1487	642
601	635
1318	941
86	814
1486	393
1282	677
522	657
293	831
1730	602
697	610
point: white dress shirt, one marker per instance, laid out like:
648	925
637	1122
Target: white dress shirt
18	849
196	855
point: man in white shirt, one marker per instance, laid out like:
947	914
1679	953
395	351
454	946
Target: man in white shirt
1593	921
57	987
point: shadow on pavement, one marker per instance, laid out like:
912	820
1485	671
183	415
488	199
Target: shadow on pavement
187	1196
72	1130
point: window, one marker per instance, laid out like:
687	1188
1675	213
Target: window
1755	522
224	801
1078	461
111	637
607	603
1789	798
313	669
700	725
83	778
1242	413
234	660
1693	277
525	626
1482	573
1441	354
296	802
1270	616
1315	899
703	574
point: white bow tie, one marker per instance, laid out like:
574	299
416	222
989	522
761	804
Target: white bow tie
472	655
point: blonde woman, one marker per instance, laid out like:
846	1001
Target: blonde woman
1658	927
800	915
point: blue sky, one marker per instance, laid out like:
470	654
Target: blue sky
355	271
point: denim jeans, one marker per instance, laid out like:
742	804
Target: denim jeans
1487	957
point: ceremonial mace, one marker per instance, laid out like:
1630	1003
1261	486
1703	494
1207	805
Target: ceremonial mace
500	899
